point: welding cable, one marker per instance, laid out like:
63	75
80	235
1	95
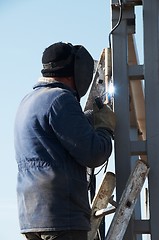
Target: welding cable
120	2
104	165
99	236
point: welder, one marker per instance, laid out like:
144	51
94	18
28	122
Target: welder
55	141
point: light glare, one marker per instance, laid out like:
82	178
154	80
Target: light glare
111	89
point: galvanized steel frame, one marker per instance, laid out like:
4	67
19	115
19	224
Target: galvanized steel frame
123	136
151	75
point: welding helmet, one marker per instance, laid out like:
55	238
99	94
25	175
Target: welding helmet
65	60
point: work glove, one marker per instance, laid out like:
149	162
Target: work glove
89	115
104	118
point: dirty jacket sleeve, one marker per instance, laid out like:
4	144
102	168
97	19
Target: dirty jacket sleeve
89	147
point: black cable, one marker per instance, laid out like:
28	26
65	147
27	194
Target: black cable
104	165
119	21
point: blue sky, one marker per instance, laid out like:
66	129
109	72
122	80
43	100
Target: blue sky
27	28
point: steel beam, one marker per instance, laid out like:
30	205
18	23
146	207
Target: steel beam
151	61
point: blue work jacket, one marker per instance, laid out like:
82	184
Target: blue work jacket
54	143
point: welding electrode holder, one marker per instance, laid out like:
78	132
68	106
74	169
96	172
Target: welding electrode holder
99	102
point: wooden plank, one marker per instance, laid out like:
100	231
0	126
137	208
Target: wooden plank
127	202
100	201
137	93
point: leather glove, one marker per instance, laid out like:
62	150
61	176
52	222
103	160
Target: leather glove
104	118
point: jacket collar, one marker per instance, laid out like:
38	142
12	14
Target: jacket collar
48	82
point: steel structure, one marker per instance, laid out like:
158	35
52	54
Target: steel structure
135	105
137	109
